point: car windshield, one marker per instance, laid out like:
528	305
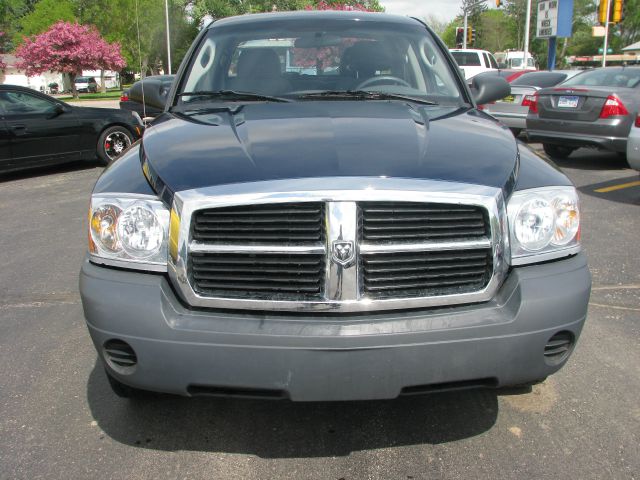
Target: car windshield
467	59
607	77
82	80
299	60
539	79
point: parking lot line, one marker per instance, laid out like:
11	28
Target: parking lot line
618	187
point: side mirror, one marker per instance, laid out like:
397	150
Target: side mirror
486	89
155	92
59	109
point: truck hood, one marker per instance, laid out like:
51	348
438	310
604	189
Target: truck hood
271	141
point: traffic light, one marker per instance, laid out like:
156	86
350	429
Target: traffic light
602	12
469	35
459	35
617	11
473	35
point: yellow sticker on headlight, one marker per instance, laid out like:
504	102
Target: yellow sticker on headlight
174	233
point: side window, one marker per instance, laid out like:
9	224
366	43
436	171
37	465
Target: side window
492	61
20	103
487	63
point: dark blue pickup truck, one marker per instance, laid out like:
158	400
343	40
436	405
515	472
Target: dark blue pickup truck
322	213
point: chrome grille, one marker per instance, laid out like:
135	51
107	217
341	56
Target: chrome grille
292	245
258	275
288	223
418	222
422	274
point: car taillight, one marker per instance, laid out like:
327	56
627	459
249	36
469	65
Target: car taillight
531	101
124	97
613	107
638	121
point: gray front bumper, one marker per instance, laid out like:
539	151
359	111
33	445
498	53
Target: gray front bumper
346	357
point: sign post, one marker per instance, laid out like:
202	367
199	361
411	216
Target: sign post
554	20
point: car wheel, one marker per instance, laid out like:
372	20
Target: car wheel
122	390
516	131
112	143
556	151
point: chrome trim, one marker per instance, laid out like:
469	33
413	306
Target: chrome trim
128	264
198	247
342	226
425	247
343	190
545	257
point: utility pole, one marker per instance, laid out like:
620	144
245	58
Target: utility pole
464	34
466	9
606	36
526	34
166	16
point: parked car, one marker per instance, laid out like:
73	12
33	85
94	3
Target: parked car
134	100
473	62
362	234
633	145
86	85
593	109
514	108
38	130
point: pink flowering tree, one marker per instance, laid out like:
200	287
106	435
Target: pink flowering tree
3	66
322	5
328	56
68	48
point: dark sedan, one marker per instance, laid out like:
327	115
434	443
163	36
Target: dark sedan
593	109
38	130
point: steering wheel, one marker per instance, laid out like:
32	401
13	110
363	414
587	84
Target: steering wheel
382	79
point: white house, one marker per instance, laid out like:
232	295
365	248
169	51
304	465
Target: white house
13	76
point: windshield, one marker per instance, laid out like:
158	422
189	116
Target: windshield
607	77
539	79
292	59
82	80
467	59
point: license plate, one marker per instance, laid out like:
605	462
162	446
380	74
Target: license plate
568	102
508	99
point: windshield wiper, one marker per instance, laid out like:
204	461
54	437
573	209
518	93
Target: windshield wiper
364	95
233	95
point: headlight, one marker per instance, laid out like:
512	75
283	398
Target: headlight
544	224
129	231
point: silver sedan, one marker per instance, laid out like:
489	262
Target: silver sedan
594	109
513	109
633	145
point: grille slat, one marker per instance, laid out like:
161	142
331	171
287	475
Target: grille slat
287	223
425	274
258	276
389	222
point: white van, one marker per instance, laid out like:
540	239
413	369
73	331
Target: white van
473	62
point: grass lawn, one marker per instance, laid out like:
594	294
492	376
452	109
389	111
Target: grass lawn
93	96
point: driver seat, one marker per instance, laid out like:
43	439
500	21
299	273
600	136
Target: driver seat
363	59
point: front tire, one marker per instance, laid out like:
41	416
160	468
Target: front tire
557	151
112	143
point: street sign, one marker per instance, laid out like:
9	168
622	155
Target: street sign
547	19
554	18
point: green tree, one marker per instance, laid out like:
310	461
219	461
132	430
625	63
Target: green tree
44	14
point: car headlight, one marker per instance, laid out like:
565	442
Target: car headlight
129	231
544	224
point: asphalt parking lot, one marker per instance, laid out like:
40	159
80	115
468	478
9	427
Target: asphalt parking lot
59	419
